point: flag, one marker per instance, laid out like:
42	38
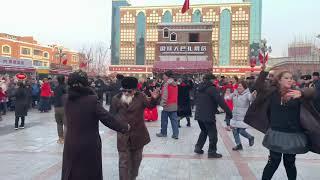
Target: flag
261	58
185	6
64	62
266	58
83	64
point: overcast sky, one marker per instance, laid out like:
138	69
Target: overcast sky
76	23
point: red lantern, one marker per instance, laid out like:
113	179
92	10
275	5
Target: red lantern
21	76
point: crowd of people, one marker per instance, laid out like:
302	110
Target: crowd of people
287	111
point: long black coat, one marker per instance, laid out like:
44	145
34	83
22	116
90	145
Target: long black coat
21	105
257	114
82	158
184	105
207	101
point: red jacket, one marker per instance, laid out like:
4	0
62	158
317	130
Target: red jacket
169	98
45	90
2	96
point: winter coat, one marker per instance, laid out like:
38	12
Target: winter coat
207	101
257	114
45	90
184	105
82	158
35	89
21	104
59	91
169	96
241	103
132	114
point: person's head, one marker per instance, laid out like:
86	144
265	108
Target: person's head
284	80
271	75
45	80
242	86
119	76
209	78
315	76
235	79
20	84
78	79
61	79
167	75
228	91
129	87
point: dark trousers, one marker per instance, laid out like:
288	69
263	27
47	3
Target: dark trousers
60	119
3	107
16	124
208	129
273	164
129	163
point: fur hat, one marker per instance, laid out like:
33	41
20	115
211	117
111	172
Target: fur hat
316	74
129	83
119	76
209	77
169	73
77	79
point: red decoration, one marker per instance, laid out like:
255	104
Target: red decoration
186	6
83	64
261	57
21	76
64	62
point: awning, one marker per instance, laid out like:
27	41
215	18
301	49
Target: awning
17	69
183	66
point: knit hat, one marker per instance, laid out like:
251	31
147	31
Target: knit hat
129	83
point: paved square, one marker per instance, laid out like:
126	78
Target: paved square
33	154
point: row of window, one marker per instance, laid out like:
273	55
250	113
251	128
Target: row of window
26	51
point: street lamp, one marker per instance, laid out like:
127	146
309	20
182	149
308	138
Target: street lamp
60	54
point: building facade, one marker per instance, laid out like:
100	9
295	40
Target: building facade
135	32
22	49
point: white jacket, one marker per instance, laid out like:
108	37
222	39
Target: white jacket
241	103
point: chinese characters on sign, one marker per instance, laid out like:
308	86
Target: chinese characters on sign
15	62
177	49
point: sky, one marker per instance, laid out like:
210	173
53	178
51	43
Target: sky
81	23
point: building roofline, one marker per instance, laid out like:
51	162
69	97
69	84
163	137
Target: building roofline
179	6
23	42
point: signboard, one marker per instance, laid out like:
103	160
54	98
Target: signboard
235	70
13	62
127	69
183	49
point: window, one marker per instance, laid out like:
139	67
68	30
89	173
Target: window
173	37
165	33
194	37
37	52
37	63
26	51
6	49
46	55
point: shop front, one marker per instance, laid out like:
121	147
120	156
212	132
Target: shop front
12	66
59	69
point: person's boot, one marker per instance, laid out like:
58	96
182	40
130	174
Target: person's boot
238	148
188	124
251	141
214	155
198	150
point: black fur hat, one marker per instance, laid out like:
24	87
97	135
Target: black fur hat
77	79
129	83
119	76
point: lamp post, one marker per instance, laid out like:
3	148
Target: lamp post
60	54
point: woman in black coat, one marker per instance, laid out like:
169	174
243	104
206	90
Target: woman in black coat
21	105
184	103
82	159
277	111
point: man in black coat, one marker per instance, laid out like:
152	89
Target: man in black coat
316	85
99	88
207	101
